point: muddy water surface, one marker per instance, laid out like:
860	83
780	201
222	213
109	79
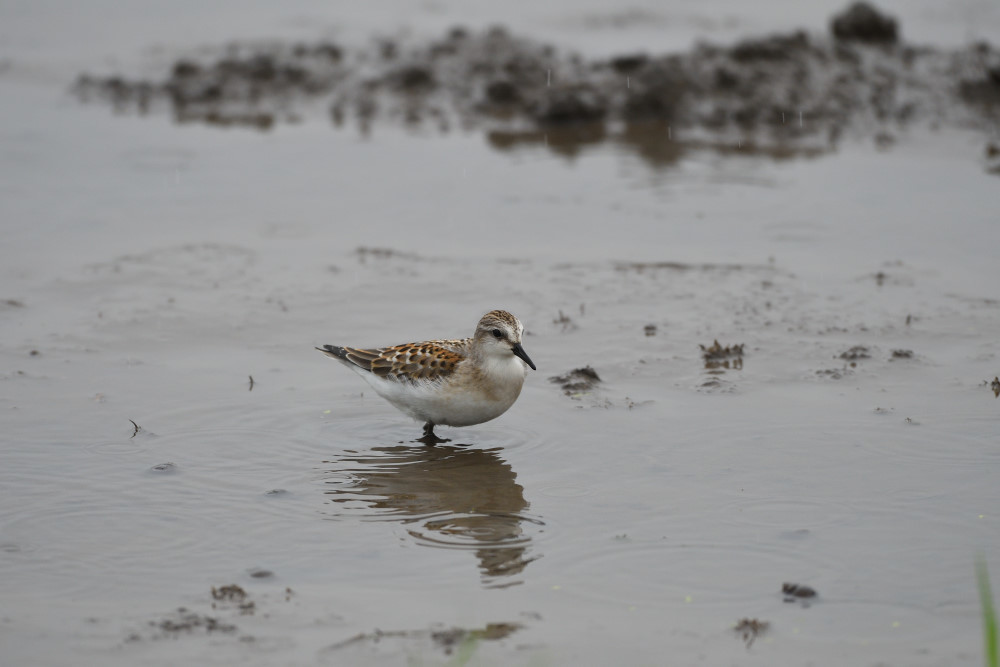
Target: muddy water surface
149	270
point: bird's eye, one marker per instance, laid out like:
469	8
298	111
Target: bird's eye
497	333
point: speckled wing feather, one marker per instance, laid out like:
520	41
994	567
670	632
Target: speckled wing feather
410	362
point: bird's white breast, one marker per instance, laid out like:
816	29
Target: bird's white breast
473	394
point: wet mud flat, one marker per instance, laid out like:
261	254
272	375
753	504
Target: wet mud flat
794	93
649	480
762	430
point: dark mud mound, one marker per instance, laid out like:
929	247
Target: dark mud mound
863	23
578	381
856	353
798	593
718	356
778	93
749	629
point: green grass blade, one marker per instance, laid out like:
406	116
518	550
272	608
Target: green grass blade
989	615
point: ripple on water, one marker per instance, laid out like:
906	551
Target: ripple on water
664	572
122	447
447	496
788	513
938	444
81	545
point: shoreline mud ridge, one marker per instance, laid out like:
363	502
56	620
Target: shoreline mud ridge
781	93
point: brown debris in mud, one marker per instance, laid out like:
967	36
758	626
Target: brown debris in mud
749	629
790	91
649	330
855	353
566	324
995	386
365	252
901	354
992	152
716	351
834	373
233	594
717	356
643	267
578	381
187	622
230	593
798	593
230	598
446	640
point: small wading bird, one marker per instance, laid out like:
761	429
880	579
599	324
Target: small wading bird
447	382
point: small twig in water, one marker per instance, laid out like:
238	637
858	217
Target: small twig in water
251	383
136	431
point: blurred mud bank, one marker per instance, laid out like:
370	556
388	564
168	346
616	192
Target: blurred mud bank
782	93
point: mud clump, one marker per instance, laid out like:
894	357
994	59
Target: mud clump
856	353
578	381
992	152
233	595
798	593
716	351
718	356
629	64
230	593
901	354
414	80
749	629
649	330
189	622
260	573
503	93
863	23
568	107
776	47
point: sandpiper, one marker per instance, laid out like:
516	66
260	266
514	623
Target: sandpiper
447	382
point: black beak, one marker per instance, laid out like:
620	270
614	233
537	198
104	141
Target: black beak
519	351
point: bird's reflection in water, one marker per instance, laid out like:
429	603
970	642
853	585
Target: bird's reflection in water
453	497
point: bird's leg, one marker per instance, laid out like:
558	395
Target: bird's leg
430	439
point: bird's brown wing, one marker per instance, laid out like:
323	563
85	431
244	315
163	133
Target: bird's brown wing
410	362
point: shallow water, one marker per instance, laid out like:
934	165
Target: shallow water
155	268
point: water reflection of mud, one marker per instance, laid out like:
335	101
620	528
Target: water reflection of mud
451	497
652	141
782	95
